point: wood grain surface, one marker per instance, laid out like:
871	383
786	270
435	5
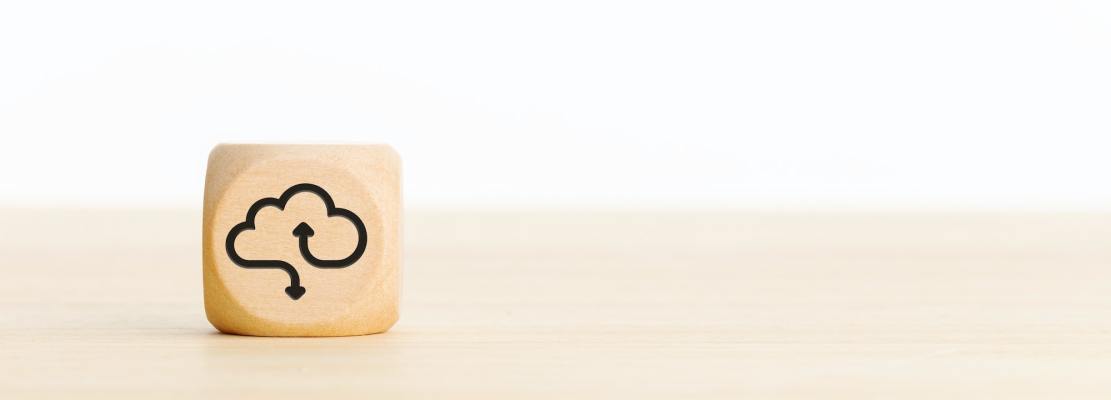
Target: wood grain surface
588	304
265	204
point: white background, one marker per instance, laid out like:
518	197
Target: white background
998	104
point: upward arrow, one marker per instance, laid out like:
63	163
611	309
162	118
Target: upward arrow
303	232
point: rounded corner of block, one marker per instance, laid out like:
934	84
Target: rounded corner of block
390	153
219	154
216	320
389	324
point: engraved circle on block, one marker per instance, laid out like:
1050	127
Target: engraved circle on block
329	292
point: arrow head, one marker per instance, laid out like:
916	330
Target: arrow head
303	229
295	292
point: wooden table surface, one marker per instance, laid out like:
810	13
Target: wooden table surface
572	304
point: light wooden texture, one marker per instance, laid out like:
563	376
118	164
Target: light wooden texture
589	305
302	240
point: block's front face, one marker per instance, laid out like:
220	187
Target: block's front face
302	240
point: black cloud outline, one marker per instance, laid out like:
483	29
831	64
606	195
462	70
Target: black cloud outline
295	291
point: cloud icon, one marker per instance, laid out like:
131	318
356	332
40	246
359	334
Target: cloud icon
303	232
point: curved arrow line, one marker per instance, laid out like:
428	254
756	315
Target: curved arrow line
295	291
303	243
294	278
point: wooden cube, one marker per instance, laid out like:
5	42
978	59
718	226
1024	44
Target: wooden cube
302	240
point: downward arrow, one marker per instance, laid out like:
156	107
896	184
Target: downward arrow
295	292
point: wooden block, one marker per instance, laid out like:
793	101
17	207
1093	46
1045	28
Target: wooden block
302	240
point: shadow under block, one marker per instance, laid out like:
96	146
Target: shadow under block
302	240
